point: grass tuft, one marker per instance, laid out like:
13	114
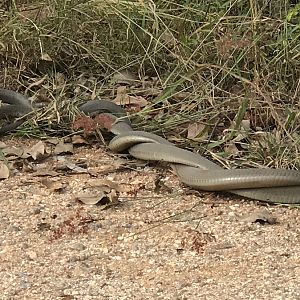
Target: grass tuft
221	64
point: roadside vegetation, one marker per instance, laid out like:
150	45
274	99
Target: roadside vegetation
222	77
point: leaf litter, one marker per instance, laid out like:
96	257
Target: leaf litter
170	243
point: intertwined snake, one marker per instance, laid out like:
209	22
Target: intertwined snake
269	185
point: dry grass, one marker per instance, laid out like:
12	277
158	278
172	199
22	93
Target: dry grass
223	64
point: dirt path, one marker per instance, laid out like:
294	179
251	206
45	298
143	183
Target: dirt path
164	244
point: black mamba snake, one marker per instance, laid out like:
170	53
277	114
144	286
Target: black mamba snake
269	185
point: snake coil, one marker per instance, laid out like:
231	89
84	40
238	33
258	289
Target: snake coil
269	185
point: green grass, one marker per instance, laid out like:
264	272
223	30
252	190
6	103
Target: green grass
215	62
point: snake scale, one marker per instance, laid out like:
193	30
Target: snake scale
268	185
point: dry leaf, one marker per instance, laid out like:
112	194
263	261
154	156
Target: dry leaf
62	147
78	140
240	137
124	77
55	186
36	83
92	199
45	172
245	124
2	145
105	183
4	171
231	149
261	216
75	168
53	141
99	198
123	98
197	131
168	38
66	165
101	192
182	95
13	151
46	57
36	150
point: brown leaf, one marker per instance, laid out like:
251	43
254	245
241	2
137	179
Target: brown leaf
75	168
13	152
4	171
130	100
78	140
62	147
231	149
168	38
66	165
36	83
45	172
197	131
124	99
105	183
124	77
46	56
240	137
53	141
36	150
92	199
2	145
101	192
245	124
54	186
262	216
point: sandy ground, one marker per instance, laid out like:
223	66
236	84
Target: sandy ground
158	240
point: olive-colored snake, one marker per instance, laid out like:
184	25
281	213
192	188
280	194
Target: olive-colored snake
269	185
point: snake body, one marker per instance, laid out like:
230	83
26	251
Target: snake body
269	185
13	105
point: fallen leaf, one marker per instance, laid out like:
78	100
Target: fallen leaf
105	183
261	216
168	38
53	141
13	152
125	77
36	150
240	137
65	165
35	83
92	199
4	171
45	172
130	100
75	168
231	148
100	193
197	131
245	124
182	95
2	145
55	186
90	125
62	147
78	140
46	56
123	98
